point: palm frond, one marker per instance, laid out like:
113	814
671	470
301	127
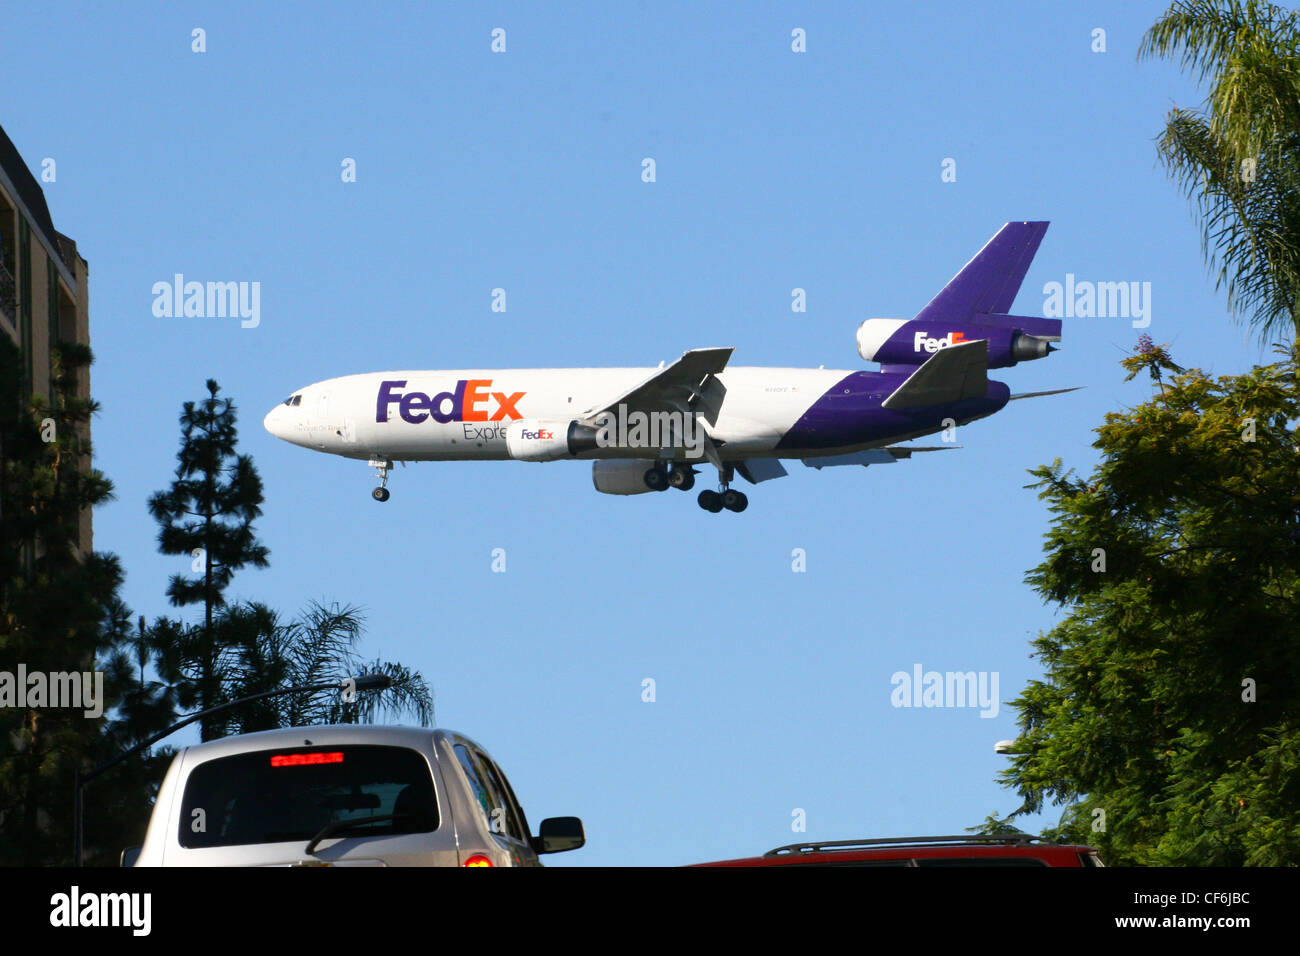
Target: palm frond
1239	161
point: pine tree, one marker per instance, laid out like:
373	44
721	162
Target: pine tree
207	515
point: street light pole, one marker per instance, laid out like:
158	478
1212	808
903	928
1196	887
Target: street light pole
362	682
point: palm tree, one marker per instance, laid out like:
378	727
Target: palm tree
260	652
1239	159
318	645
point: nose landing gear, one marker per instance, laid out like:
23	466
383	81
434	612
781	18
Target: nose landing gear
381	466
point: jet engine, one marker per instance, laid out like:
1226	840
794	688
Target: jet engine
1011	338
620	476
549	440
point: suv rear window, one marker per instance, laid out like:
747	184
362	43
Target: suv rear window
275	796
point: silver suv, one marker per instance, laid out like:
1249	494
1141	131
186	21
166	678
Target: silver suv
350	795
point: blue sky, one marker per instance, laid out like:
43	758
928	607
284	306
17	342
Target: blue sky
522	170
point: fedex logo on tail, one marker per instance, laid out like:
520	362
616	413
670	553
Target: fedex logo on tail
922	341
470	401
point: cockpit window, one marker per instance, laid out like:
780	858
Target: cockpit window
294	399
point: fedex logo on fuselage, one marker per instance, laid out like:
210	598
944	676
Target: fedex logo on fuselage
468	402
923	341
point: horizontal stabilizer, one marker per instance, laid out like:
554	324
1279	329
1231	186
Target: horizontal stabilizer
949	375
1052	391
1049	329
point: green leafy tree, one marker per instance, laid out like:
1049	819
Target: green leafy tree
995	825
59	613
1168	719
207	515
1239	158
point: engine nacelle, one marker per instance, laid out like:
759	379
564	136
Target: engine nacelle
620	476
549	440
911	342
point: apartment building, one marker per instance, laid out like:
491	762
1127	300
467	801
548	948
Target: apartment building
43	281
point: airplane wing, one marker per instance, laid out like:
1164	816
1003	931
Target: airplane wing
949	375
874	456
687	385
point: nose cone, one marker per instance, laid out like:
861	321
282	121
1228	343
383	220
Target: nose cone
275	422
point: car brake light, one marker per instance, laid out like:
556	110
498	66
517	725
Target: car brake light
478	859
302	760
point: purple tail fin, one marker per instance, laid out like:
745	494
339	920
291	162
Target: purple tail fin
987	285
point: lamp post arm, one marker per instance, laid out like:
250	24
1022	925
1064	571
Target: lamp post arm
186	721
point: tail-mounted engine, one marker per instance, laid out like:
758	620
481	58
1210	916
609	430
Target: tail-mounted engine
1011	338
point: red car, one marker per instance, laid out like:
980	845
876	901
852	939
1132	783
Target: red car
1002	849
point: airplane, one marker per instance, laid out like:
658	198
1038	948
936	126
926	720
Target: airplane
650	429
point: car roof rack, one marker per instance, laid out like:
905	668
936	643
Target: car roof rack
1022	839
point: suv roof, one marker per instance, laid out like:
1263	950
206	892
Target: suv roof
317	734
934	850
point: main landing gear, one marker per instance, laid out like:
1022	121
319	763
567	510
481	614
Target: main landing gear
381	466
715	501
725	497
682	477
661	478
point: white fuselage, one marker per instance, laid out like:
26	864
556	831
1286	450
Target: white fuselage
463	414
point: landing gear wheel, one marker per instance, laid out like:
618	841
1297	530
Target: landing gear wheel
710	501
682	479
382	466
656	479
734	501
